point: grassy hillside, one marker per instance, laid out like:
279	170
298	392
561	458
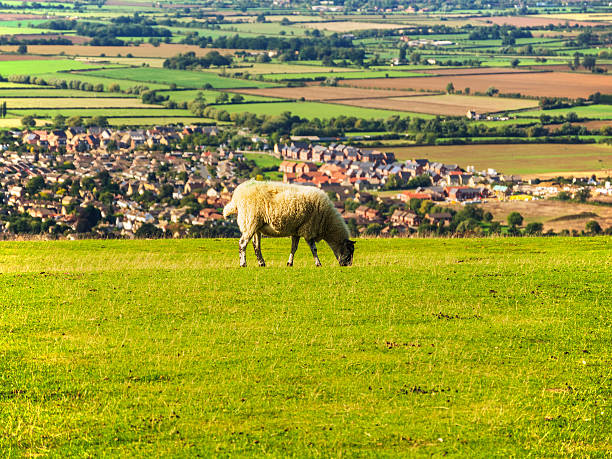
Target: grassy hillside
424	347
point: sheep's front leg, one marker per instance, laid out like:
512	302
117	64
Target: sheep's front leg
294	245
257	248
313	249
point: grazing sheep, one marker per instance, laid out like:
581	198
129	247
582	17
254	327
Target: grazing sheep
279	210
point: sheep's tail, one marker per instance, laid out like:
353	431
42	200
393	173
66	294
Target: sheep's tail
230	209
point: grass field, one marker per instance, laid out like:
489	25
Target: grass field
75	102
35	67
469	348
157	121
106	82
343	75
256	69
36	91
518	159
312	110
210	96
145	50
602	112
109	112
183	78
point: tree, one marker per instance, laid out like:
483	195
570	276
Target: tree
263	58
35	184
149	231
593	228
74	121
515	63
22	49
402	54
515	219
3	109
28	121
88	217
534	228
450	87
588	62
59	121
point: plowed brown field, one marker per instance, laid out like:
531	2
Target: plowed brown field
545	84
526	21
325	93
453	105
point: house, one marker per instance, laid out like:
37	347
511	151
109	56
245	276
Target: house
405	217
439	218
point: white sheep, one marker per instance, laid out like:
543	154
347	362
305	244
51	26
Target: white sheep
280	210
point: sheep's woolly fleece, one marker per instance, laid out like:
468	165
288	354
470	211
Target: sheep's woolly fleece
280	209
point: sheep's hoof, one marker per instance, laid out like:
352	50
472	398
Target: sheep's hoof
262	265
290	264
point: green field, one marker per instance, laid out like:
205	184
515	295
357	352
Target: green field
600	111
183	78
344	75
90	78
158	121
36	67
37	91
109	112
210	96
263	160
425	347
312	110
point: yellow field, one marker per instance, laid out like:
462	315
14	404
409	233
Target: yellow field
80	102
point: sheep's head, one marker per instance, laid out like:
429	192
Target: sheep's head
345	255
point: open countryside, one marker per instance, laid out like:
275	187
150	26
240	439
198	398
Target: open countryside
460	158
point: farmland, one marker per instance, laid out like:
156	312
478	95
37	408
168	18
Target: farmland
520	159
453	105
603	112
183	78
147	348
75	102
552	84
324	93
310	110
164	50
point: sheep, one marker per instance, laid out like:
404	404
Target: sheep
279	210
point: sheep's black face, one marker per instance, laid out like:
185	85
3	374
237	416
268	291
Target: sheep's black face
346	255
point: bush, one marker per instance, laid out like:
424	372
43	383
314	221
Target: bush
534	229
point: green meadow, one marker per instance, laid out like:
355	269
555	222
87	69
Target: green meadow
312	110
183	78
598	111
425	347
36	67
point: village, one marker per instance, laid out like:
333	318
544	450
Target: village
114	183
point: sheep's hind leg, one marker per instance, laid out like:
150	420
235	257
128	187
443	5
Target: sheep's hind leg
257	248
294	245
313	249
242	245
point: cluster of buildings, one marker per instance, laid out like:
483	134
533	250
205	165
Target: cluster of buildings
176	190
207	176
